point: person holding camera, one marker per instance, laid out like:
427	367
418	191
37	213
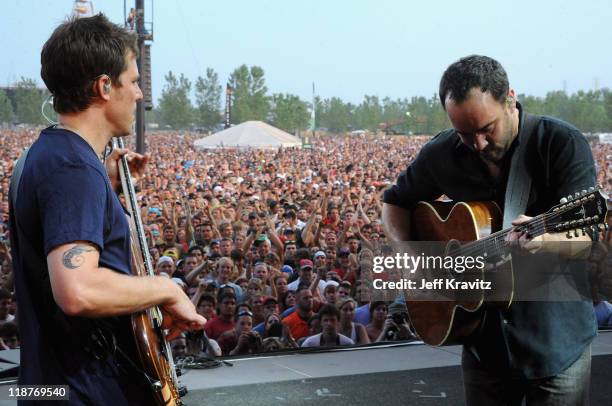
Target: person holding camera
242	339
396	325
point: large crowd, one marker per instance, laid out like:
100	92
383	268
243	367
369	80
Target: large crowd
275	247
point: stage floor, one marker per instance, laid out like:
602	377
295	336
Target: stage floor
410	374
406	375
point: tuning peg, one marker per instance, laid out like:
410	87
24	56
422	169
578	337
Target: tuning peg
576	195
592	189
563	200
584	192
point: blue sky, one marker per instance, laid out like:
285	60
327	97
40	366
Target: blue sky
347	47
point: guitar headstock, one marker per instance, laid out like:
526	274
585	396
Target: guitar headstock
584	211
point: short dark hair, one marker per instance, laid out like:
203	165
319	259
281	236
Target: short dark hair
207	298
5	294
473	71
195	248
302	286
374	305
301	253
237	254
223	294
78	52
329	310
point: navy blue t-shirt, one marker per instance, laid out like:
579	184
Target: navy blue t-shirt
64	196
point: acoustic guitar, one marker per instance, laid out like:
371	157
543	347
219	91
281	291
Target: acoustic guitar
475	227
153	349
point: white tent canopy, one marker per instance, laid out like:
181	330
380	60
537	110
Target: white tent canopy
250	134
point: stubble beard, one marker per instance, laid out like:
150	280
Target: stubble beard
497	152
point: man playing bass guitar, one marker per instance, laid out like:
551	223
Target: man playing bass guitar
70	235
538	351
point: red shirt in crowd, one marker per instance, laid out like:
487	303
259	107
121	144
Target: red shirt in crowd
215	327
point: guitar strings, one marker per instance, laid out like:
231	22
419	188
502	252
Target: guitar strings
537	226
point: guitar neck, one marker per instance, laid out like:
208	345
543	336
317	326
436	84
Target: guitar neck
497	243
132	207
586	211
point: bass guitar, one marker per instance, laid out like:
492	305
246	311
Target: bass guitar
153	349
475	227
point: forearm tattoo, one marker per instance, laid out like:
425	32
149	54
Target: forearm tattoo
73	258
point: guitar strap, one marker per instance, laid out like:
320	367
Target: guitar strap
519	180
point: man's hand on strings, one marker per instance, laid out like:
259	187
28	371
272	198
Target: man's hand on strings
557	243
136	162
522	239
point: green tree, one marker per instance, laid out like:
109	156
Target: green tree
338	115
174	104
249	96
369	114
438	119
607	105
6	108
259	101
28	101
289	112
208	100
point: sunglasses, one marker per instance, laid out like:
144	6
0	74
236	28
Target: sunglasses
244	313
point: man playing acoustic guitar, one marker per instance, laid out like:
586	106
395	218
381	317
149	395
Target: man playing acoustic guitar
70	236
538	351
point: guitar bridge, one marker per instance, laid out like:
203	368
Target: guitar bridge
495	262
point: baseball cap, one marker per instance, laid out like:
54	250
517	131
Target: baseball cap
287	269
330	283
268	299
179	282
319	254
344	252
164	259
171	253
224	294
306	263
